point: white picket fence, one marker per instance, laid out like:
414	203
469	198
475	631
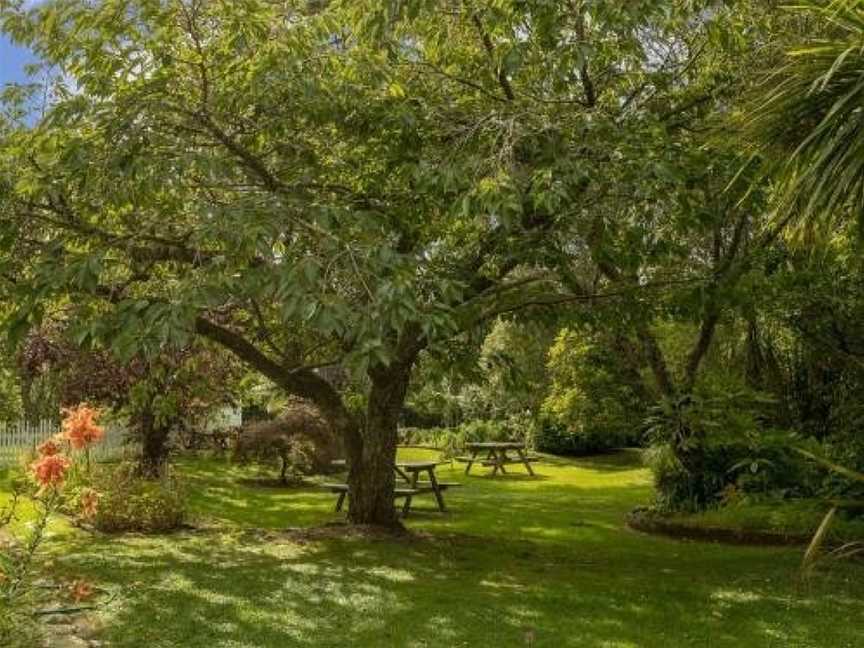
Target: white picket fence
19	438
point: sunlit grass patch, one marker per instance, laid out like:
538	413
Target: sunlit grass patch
547	561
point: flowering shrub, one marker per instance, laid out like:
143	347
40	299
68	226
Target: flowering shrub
110	498
88	500
50	471
80	428
54	468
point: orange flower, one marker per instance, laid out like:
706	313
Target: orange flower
49	448
50	470
79	426
80	590
89	499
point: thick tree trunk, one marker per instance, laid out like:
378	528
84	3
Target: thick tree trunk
373	452
154	446
370	444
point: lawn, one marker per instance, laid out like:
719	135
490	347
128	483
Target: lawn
516	562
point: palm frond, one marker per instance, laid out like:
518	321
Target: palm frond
831	465
848	550
810	121
814	549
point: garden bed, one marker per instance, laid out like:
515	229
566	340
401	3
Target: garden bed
768	524
648	522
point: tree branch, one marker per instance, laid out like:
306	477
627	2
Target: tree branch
301	382
501	75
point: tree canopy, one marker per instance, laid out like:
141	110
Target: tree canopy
354	184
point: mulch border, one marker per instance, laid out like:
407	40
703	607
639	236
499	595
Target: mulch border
654	524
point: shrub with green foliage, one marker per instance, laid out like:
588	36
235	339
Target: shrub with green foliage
594	404
559	439
266	443
732	472
739	456
451	441
128	502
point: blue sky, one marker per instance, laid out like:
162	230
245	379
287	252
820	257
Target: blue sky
12	62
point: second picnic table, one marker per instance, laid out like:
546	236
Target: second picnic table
497	456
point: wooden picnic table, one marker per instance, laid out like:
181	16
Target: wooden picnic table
497	456
409	473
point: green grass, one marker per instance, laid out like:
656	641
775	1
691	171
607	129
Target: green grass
516	562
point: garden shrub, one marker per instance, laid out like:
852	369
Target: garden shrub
844	449
300	441
268	442
734	470
678	490
110	497
451	441
128	502
557	438
739	455
593	404
578	437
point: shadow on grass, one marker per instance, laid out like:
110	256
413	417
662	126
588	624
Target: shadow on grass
245	589
516	562
549	505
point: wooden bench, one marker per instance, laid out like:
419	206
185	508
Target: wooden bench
342	490
427	487
486	462
490	463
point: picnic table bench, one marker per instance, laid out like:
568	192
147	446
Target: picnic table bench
497	456
342	491
409	473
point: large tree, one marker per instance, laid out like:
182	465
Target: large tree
320	184
255	174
